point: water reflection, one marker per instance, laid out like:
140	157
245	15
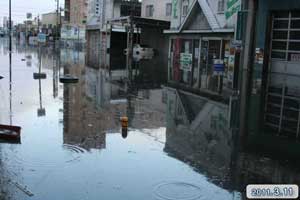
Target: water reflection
93	107
198	133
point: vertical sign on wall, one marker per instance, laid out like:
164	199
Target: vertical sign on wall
174	10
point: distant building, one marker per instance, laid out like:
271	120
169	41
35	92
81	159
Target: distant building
94	12
50	20
67	11
73	28
5	22
78	12
6	25
154	9
108	39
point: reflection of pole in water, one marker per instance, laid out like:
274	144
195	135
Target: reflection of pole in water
55	75
10	67
41	111
40	82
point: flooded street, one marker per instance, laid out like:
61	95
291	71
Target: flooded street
72	145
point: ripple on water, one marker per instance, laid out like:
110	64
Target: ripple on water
43	162
177	191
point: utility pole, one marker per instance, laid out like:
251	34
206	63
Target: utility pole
247	64
57	20
130	35
10	62
10	28
38	25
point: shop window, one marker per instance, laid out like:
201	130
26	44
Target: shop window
198	67
186	56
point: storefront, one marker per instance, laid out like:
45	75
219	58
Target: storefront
204	61
203	53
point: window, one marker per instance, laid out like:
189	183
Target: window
149	10
185	8
221	6
168	9
286	36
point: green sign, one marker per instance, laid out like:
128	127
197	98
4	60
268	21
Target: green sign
186	60
233	6
174	10
231	3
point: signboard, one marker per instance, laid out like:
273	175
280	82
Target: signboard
174	10
186	60
231	61
42	38
219	66
233	6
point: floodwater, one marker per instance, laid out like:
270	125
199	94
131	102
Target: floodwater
72	147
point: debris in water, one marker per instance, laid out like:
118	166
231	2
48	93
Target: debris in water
1	77
23	59
68	79
23	189
37	76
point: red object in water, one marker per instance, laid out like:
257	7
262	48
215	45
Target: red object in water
10	133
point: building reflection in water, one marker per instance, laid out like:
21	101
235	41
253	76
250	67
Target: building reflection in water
94	105
198	133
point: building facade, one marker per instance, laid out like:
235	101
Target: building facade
50	19
78	12
73	29
160	10
273	96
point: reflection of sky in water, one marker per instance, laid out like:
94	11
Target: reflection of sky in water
123	169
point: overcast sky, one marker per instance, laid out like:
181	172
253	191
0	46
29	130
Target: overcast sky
21	7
